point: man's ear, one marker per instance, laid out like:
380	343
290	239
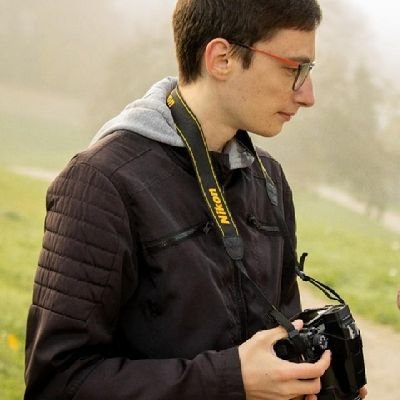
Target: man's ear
218	60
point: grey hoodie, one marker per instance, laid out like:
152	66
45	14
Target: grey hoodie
151	118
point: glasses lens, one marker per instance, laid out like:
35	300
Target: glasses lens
302	73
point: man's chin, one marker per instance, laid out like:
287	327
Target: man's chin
270	133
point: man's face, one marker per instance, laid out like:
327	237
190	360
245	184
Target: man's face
260	99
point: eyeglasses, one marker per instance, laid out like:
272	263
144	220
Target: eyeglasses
302	69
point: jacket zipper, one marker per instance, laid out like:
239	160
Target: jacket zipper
161	244
270	230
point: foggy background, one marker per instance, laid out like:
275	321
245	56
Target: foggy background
66	67
70	66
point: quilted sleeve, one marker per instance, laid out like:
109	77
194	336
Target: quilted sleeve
87	262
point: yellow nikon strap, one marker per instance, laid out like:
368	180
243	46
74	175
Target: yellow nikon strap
189	129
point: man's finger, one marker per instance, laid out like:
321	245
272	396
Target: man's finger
311	370
298	324
311	397
363	392
281	333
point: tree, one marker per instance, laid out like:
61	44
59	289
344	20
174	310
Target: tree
338	141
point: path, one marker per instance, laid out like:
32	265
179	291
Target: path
390	220
37	173
381	352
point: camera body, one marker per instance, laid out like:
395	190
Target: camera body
331	327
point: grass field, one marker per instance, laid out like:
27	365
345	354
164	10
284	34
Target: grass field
27	141
21	221
353	254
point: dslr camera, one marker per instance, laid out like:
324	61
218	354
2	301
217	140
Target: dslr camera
329	327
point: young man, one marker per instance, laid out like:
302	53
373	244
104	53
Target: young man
138	294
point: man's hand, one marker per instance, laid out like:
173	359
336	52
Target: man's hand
363	392
267	377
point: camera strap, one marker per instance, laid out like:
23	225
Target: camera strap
190	131
328	291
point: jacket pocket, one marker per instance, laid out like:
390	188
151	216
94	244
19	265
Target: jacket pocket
269	230
155	246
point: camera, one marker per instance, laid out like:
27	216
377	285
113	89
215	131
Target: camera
330	327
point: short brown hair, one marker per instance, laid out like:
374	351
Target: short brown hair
197	22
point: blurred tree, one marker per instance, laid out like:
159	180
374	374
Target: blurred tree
390	139
365	161
306	143
339	141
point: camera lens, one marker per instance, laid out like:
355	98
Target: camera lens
320	342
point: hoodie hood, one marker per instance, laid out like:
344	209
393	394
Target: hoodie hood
150	117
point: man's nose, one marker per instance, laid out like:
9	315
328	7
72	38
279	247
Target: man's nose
305	95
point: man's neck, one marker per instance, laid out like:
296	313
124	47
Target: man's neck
207	109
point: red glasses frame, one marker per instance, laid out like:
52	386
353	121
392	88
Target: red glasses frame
303	69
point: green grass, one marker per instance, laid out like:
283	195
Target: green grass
353	254
21	220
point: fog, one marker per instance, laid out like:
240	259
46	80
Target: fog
73	65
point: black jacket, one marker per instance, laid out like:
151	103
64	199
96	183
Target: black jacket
134	296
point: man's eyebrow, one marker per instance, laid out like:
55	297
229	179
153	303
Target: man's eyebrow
301	59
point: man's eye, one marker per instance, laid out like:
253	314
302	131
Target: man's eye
292	71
